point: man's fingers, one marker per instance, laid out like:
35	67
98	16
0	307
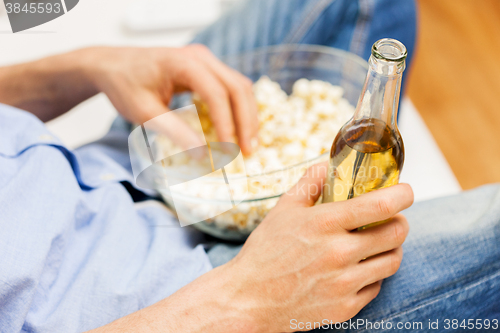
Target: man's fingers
307	191
379	267
371	207
202	81
381	238
245	115
244	110
239	87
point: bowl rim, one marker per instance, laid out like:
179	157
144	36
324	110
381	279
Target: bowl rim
300	47
298	166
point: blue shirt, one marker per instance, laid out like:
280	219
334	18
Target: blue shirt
76	251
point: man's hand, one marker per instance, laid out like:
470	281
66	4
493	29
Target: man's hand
140	83
306	262
303	262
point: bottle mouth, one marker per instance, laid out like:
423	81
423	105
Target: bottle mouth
389	49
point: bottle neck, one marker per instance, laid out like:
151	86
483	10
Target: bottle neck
380	95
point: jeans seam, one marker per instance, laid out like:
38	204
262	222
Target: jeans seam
446	295
296	35
359	34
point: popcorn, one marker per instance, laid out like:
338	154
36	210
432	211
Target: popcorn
292	129
292	150
318	88
253	165
301	88
310	154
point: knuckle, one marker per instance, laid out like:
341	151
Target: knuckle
342	258
344	283
186	53
328	221
395	262
399	233
145	111
198	48
189	70
243	89
352	307
236	91
324	221
345	217
219	93
404	224
386	205
247	83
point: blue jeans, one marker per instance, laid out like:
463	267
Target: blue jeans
351	25
451	267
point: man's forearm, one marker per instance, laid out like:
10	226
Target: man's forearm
209	304
48	87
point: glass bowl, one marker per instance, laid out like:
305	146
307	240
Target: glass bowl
284	64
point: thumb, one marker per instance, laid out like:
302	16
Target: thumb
307	191
168	123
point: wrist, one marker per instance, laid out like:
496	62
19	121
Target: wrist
47	87
216	302
91	64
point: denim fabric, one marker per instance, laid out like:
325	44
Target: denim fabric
345	24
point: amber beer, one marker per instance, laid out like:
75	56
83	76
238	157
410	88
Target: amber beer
368	152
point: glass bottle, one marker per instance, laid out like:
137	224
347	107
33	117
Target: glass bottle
368	152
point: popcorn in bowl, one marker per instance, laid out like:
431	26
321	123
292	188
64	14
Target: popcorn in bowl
294	132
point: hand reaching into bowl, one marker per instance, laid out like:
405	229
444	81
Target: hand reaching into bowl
140	83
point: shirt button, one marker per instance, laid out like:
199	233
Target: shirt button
107	176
